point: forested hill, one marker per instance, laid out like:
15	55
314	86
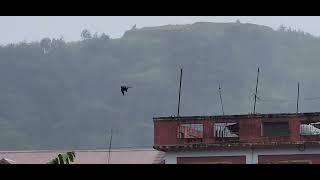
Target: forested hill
66	95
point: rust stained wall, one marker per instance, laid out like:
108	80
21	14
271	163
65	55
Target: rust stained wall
165	131
294	129
250	130
208	131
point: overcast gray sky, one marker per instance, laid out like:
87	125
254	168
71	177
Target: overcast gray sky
31	28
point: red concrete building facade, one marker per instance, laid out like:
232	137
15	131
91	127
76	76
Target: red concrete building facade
240	139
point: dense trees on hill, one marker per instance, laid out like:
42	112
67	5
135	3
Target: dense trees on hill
52	89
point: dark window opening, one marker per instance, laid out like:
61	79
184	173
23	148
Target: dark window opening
310	128
273	129
226	130
190	131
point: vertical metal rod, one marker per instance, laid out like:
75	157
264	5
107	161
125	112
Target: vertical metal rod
298	99
110	147
179	94
221	99
225	127
255	95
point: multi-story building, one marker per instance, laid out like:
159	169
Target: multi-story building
239	139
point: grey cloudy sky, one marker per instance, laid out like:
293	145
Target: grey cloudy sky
31	28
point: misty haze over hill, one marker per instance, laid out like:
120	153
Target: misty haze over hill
56	94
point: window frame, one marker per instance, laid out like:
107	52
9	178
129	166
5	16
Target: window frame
181	135
263	134
230	123
308	123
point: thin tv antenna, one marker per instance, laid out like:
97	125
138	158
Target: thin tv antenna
110	147
255	95
178	114
221	100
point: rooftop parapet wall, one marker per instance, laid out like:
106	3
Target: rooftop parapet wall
251	128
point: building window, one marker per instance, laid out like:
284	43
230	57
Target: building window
310	129
190	131
274	129
226	130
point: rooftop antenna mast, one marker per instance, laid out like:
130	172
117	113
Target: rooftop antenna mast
226	124
179	94
110	147
298	99
221	99
255	95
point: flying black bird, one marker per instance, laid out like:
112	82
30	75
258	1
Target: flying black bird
124	89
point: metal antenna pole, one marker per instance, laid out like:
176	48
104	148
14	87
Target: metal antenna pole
110	147
221	99
298	99
179	94
255	95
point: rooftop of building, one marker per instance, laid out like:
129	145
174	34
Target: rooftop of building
241	116
97	156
